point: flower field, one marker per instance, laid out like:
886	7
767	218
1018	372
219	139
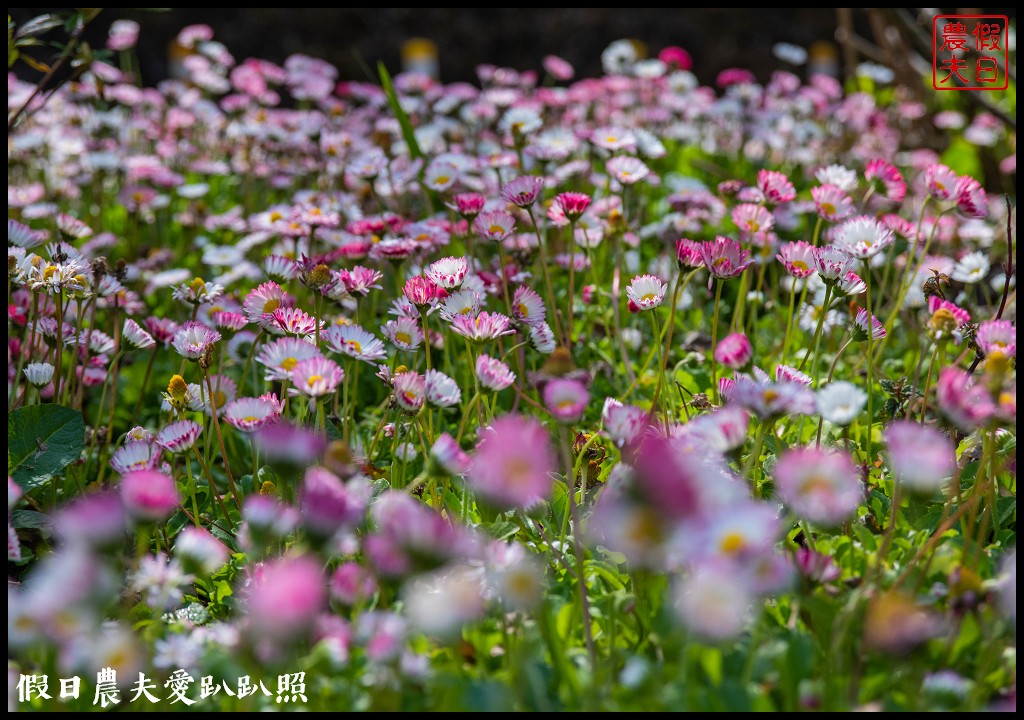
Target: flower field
543	393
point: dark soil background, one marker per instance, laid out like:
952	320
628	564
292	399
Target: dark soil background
354	39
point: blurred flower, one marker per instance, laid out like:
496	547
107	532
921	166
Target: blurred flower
921	457
840	402
511	466
566	399
734	351
285	598
822	486
149	495
714	602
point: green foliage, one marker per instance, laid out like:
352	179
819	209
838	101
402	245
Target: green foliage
42	440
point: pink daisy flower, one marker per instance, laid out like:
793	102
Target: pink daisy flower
623	423
360	280
135	336
355	342
410	391
421	291
775	187
645	292
724	257
484	327
966	405
831	203
448	455
566	399
199	551
178	437
851	284
136	455
512	465
997	336
317	376
441	390
970	197
193	339
161	329
523	191
494	225
294	321
527	306
959	314
280	267
862	237
404	333
797	258
886	180
468	205
921	457
260	304
493	374
734	351
440	176
626	169
542	337
859	330
769	399
286	597
39	374
249	414
832	264
941	182
688	253
327	504
149	495
821	486
448	272
230	321
558	68
281	356
840	176
573	204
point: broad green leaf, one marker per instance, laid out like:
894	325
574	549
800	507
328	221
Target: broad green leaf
42	440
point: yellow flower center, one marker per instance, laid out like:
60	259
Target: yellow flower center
732	543
250	419
496	229
313	379
800	265
354	346
523	310
289	363
403	337
648	297
271	305
815	484
441	179
829	208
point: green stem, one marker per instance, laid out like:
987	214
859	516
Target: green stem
816	340
714	341
192	489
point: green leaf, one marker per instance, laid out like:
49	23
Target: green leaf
42	440
38	26
711	661
30	519
400	114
